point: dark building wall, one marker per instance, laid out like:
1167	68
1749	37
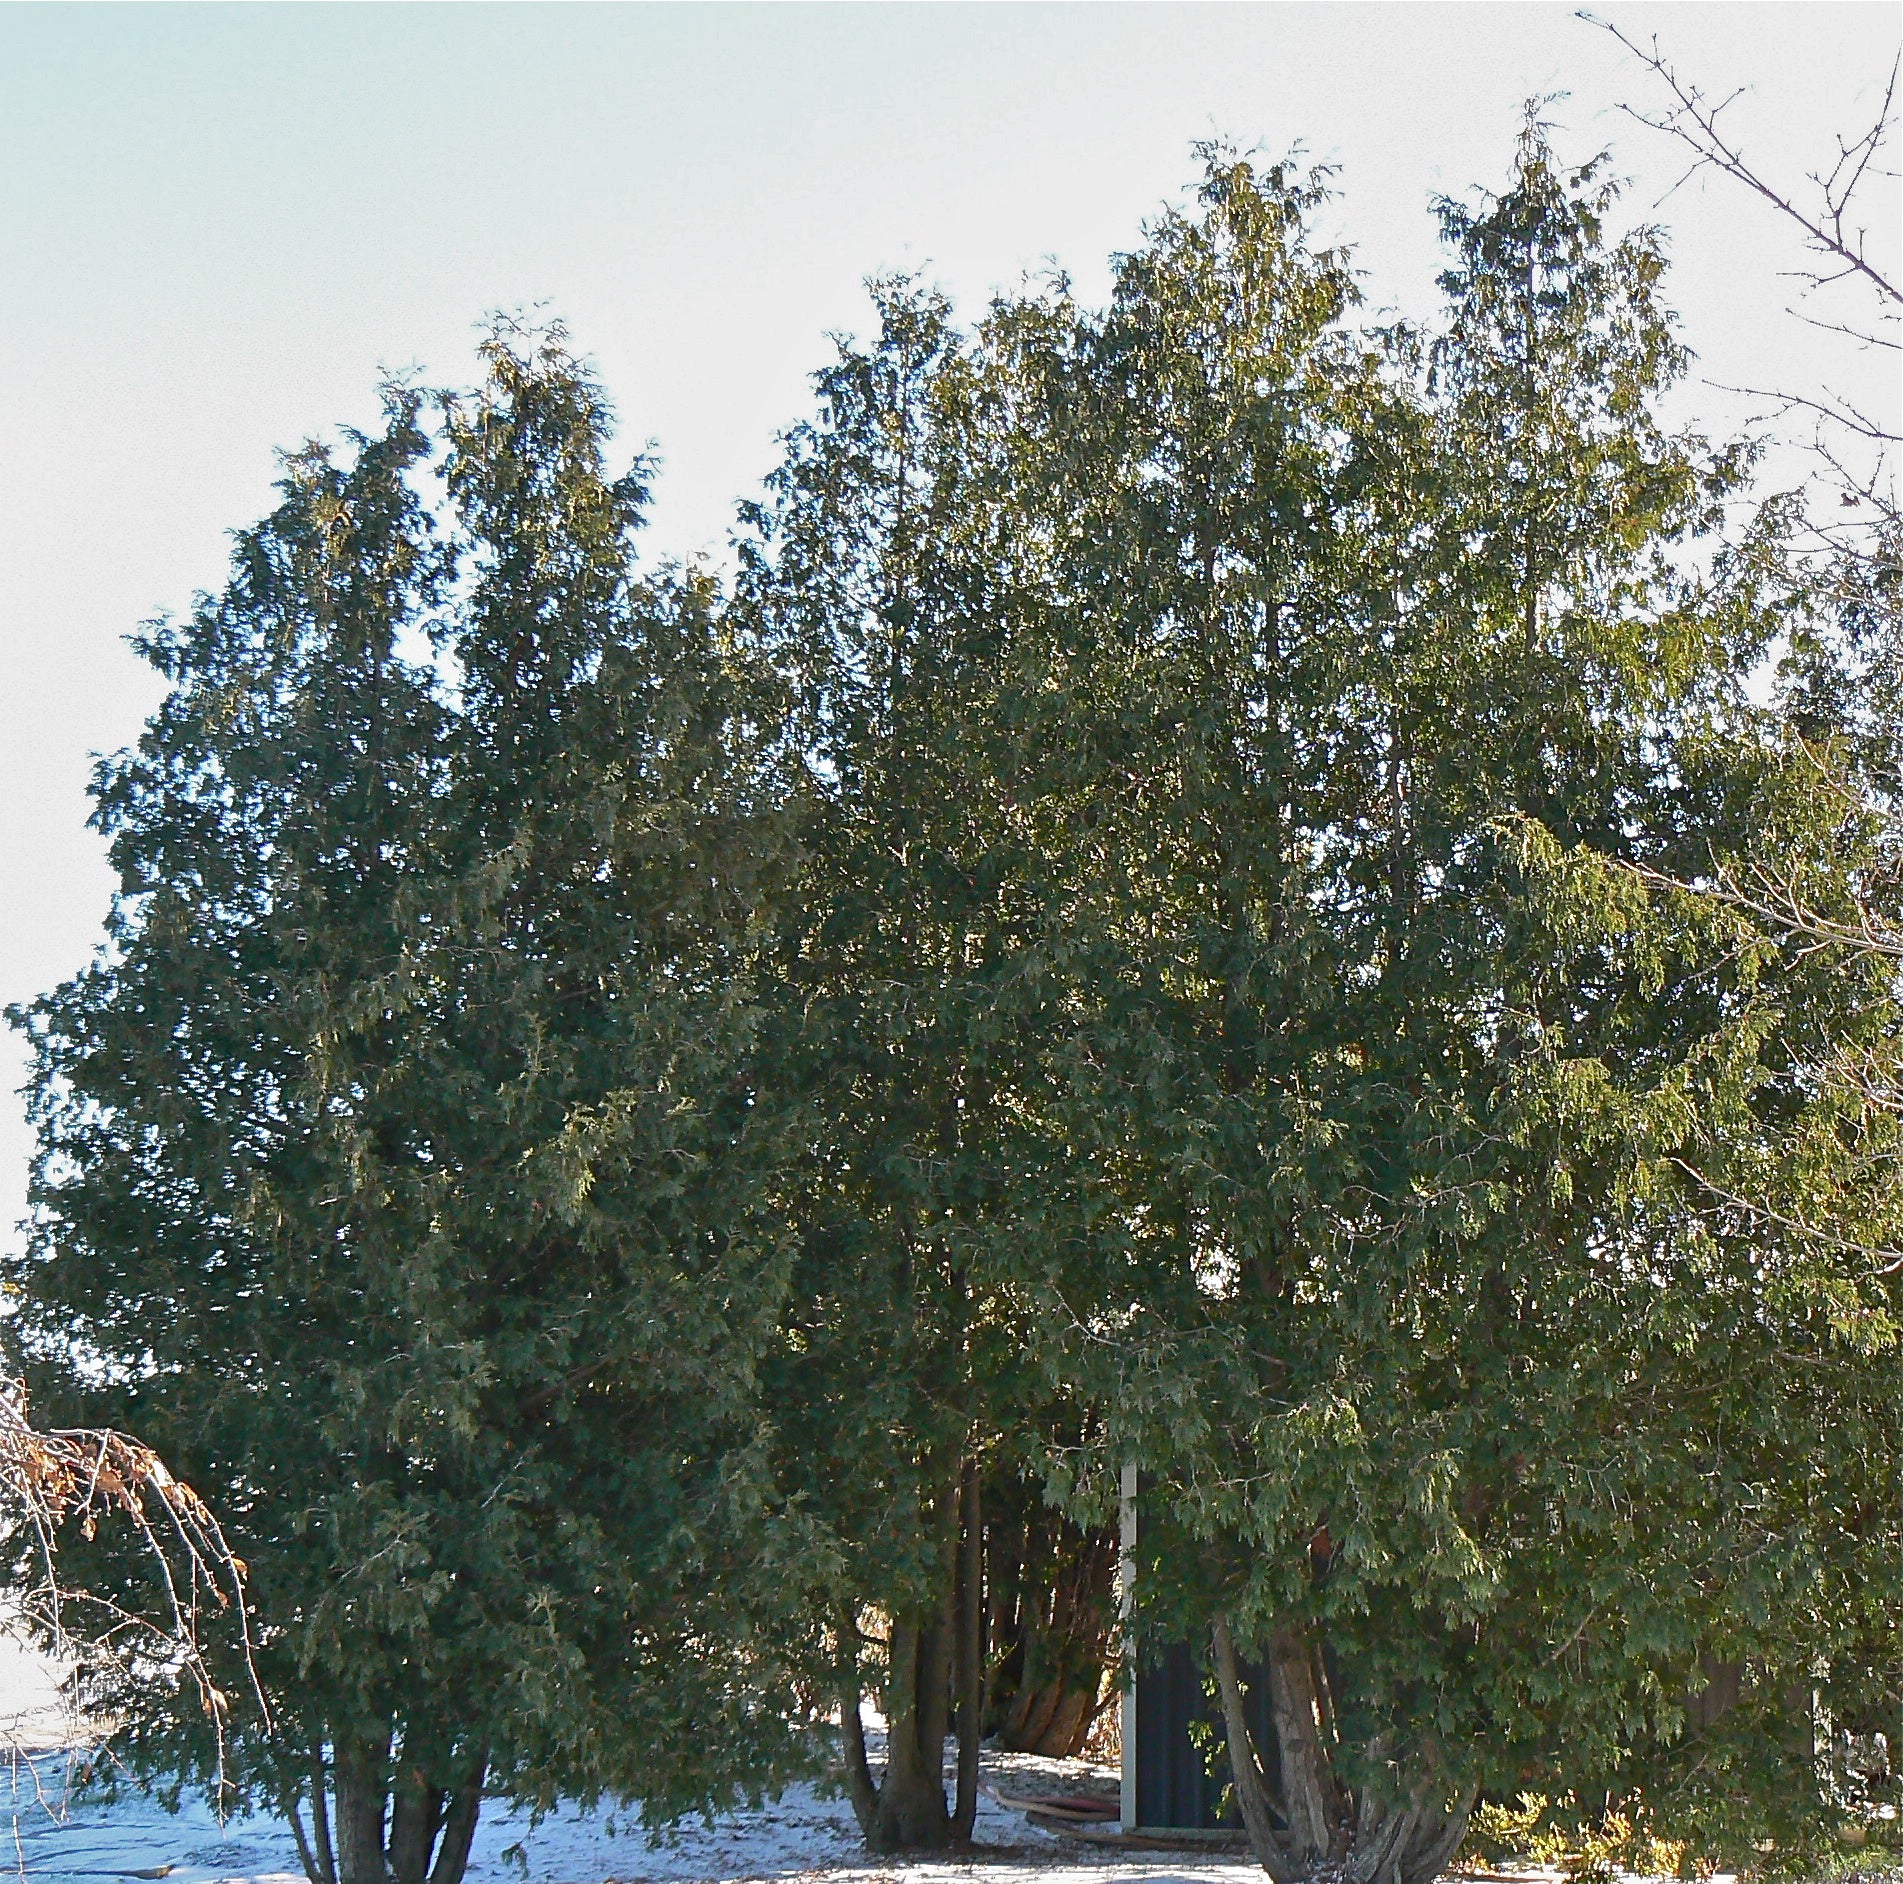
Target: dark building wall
1178	1785
1180	1769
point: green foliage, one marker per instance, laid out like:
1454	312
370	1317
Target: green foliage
406	1170
1202	900
1390	685
870	579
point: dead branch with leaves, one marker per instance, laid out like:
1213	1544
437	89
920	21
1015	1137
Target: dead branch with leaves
61	1480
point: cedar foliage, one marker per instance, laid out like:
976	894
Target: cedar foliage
644	1142
402	1168
1388	1082
869	580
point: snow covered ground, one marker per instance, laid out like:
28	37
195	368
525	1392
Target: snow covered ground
801	1836
802	1839
53	1834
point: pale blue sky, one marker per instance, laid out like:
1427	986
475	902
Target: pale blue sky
220	221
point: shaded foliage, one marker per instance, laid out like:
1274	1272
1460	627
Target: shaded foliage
403	1169
660	1149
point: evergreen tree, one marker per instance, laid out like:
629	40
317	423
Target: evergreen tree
403	1168
871	581
1163	922
1452	1402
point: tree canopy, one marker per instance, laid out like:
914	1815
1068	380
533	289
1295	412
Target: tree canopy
1158	918
404	1171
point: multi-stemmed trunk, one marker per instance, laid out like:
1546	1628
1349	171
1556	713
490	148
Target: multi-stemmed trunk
1051	1604
410	1821
1310	1824
930	1660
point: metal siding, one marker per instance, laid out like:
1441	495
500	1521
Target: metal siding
1175	1787
1167	1784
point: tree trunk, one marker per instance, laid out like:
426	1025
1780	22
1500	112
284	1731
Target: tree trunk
416	1817
358	1780
1311	1801
1314	1826
313	1852
971	1650
429	1824
320	1820
1053	1614
1068	1722
459	1822
905	1809
859	1787
912	1815
1259	1807
312	1870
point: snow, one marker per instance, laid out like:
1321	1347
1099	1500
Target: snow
802	1836
58	1831
33	1712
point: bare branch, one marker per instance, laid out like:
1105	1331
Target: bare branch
78	1477
1777	904
1694	123
1838	411
1860	336
1889	1262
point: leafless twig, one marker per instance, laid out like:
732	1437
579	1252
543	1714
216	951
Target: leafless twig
1777	902
1888	1262
58	1481
1694	122
1828	221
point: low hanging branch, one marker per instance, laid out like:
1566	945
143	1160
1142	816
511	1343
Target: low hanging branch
75	1477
